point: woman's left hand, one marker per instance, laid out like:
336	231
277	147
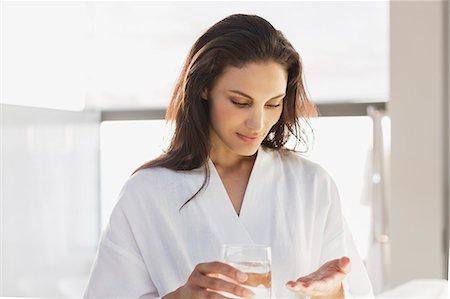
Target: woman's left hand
326	281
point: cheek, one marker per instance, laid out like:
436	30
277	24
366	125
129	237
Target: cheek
274	117
222	116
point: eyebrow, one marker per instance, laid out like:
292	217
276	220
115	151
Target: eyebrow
249	97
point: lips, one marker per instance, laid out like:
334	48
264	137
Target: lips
248	138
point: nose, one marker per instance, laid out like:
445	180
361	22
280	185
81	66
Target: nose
255	120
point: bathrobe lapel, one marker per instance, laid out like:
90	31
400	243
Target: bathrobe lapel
258	206
220	210
249	226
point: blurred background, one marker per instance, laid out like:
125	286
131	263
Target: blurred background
84	87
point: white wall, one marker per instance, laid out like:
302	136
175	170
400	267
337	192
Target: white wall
419	127
49	200
448	141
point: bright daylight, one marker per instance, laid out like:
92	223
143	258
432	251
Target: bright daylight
233	149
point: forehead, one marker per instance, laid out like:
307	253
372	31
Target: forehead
263	77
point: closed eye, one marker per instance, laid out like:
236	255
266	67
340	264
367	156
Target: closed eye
239	103
274	106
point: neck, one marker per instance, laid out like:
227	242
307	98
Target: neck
225	159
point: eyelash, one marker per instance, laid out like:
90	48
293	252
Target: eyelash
242	105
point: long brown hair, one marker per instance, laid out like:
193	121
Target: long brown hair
234	41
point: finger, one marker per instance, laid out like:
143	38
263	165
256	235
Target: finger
297	285
345	265
218	284
316	287
299	289
222	268
310	277
310	283
337	276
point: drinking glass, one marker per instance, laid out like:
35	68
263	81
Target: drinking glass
256	262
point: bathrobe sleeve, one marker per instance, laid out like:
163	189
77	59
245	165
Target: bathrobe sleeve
119	270
338	242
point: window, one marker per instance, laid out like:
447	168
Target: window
341	146
124	146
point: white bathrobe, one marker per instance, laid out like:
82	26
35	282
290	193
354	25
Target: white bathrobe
150	248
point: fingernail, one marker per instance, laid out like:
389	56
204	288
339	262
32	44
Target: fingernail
242	276
292	286
344	264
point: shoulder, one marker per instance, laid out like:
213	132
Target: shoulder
161	178
152	176
307	175
157	185
297	164
310	178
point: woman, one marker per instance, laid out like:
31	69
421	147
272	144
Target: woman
227	178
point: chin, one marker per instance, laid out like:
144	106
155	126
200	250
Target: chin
249	151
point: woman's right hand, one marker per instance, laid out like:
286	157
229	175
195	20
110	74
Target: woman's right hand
204	283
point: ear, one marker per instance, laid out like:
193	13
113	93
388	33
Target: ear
204	94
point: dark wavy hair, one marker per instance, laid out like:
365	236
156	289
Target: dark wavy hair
234	41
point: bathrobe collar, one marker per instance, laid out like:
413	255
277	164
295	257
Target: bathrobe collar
243	228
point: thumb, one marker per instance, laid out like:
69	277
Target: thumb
345	265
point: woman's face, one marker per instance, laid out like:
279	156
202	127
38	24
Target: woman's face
244	104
